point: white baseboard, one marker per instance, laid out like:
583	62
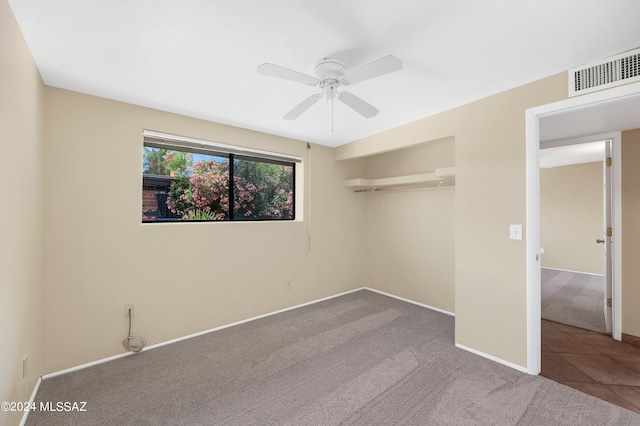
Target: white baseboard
33	398
168	342
574	272
88	364
411	301
493	358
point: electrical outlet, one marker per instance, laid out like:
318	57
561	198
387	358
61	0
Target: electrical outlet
24	365
126	310
288	284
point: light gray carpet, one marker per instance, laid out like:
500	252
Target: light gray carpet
358	359
573	298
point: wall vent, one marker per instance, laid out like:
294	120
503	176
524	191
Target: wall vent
614	71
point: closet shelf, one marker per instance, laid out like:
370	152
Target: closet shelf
441	177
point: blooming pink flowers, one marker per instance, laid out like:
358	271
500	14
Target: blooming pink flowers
204	195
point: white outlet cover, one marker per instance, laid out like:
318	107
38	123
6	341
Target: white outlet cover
515	232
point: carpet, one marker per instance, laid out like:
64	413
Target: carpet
573	298
357	359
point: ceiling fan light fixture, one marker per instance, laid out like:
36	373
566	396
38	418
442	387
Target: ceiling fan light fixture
329	87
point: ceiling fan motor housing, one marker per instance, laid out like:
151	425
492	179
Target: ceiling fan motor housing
329	71
329	68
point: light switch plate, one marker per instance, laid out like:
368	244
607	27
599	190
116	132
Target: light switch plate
515	232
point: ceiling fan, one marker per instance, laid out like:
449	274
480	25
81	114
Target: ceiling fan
330	74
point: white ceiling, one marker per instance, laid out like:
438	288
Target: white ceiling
199	57
572	154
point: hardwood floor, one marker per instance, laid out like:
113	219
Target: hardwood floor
593	363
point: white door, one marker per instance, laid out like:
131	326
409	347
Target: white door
607	235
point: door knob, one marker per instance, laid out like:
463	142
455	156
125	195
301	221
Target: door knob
599	241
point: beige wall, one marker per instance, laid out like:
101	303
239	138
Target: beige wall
183	278
630	232
490	270
571	217
409	241
20	215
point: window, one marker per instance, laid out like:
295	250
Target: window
187	180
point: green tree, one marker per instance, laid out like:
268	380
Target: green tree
155	161
179	163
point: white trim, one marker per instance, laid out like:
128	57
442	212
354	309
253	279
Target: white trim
577	141
532	238
187	142
616	225
493	358
569	270
410	301
31	400
168	342
591	99
90	364
532	116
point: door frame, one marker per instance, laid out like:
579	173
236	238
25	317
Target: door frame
615	209
609	210
532	231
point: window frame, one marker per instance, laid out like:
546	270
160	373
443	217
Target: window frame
169	142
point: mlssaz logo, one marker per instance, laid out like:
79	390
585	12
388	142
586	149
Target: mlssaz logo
62	406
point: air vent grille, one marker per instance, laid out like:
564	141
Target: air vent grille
611	72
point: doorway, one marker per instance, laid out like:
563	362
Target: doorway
576	115
573	259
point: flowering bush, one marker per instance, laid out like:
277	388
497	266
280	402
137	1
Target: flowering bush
209	184
282	204
180	196
203	195
274	198
261	190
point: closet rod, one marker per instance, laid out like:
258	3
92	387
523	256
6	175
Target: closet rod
394	188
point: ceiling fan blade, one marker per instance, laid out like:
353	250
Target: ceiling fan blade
373	69
286	74
363	108
302	107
